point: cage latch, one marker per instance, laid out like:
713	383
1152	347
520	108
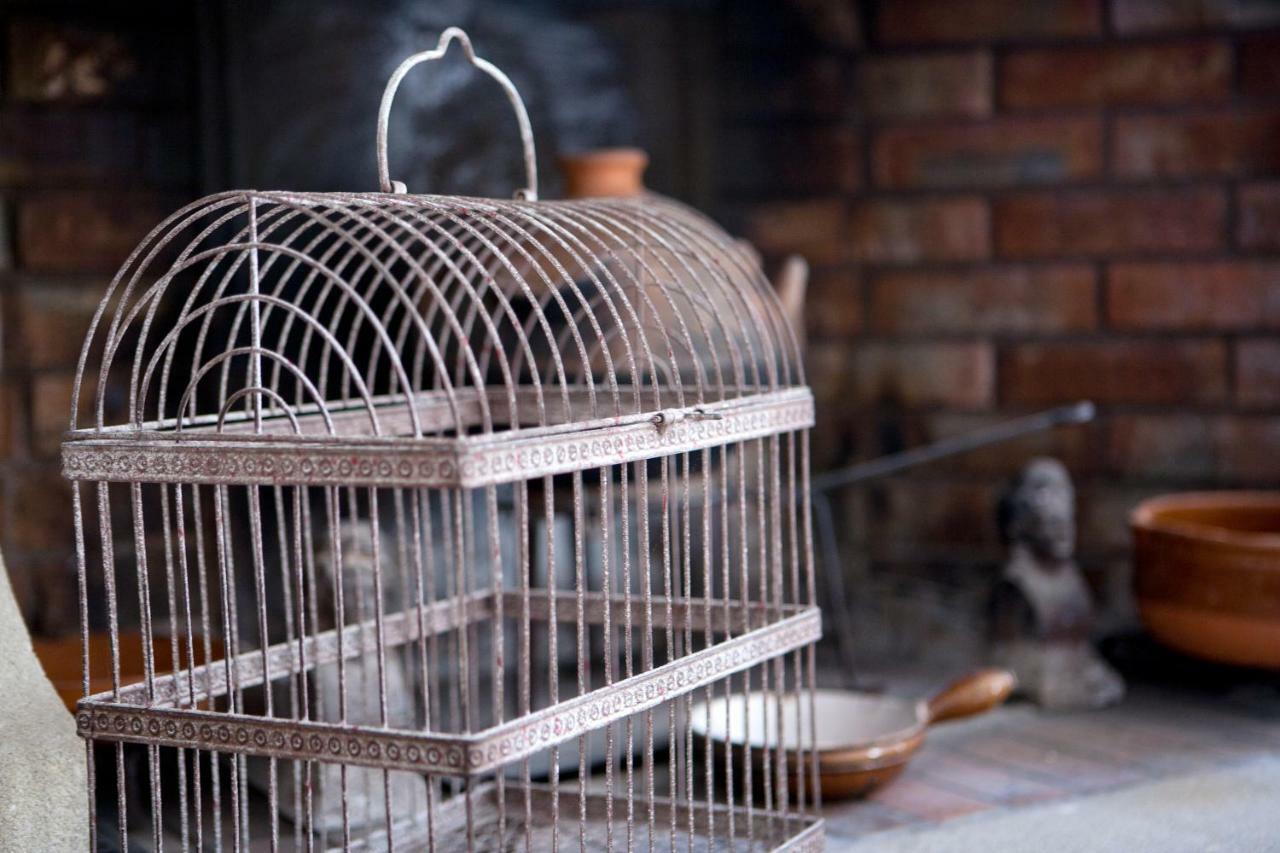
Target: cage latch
665	418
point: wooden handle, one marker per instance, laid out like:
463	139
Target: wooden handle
975	693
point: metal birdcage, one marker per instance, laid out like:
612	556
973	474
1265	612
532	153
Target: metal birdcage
440	522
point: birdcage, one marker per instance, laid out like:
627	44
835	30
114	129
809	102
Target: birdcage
439	523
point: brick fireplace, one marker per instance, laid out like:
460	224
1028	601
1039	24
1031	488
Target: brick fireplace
1006	205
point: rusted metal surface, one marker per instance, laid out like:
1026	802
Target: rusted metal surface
421	491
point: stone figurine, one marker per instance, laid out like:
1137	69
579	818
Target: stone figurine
1042	612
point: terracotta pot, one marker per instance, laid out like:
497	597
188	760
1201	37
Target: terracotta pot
1207	574
604	173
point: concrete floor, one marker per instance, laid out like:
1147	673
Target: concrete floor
1190	760
1234	809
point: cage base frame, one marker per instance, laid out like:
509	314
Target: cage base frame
792	832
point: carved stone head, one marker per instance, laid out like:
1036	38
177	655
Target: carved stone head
1038	510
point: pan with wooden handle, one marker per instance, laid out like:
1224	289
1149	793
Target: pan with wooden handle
863	740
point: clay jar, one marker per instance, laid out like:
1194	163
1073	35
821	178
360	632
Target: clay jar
604	173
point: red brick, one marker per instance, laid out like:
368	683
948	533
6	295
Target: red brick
985	300
905	513
833	303
53	318
814	229
941	229
116	147
1184	447
792	161
12	418
1150	16
934	21
817	87
1229	144
827	370
1103	222
880	433
939	84
6	241
70	231
1260	65
1258	372
1112	75
1258	223
1119	371
953	374
1212	295
1002	153
44	524
1103	514
1249	448
762	26
51	410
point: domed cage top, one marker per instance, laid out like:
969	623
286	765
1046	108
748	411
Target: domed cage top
415	504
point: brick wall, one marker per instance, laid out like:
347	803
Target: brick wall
98	137
1010	205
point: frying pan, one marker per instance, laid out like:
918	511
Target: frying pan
863	740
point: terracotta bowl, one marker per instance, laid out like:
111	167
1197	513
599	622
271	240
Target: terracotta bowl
1207	574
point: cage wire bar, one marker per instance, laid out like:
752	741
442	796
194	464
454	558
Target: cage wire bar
439	521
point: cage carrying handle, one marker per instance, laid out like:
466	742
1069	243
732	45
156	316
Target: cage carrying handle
530	191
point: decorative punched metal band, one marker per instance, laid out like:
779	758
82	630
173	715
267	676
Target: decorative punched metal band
100	718
467	462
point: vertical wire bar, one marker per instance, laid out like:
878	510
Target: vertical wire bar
176	658
451	592
726	585
685	516
628	664
360	671
264	645
646	586
793	559
806	506
762	545
461	514
707	640
499	645
779	663
553	652
333	505
606	587
380	641
426	575
304	819
526	642
744	560
291	622
148	653
580	587
402	655
82	586
113	627
672	739
206	631
230	634
311	612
